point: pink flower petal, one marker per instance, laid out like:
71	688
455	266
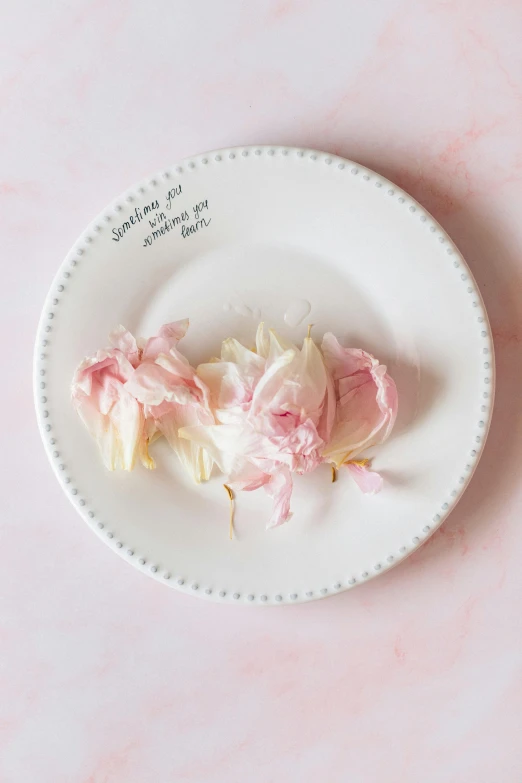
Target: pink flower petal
167	338
125	342
110	414
279	488
366	401
170	418
152	384
368	481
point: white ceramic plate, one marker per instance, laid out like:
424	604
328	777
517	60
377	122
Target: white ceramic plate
379	272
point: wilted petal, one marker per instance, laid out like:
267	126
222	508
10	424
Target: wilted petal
279	488
367	480
247	477
232	380
170	418
296	382
111	415
366	401
152	384
167	338
299	448
174	397
228	444
340	361
149	434
311	380
234	351
262	341
118	431
105	363
270	383
124	341
278	346
327	418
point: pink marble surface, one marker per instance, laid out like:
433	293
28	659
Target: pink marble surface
105	676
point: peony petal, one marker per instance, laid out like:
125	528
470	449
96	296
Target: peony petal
118	432
262	341
279	488
358	424
196	460
271	382
343	361
149	435
110	361
247	477
368	481
125	342
366	401
299	448
167	338
230	382
278	346
111	415
327	418
176	364
224	383
229	445
127	419
311	379
296	382
152	384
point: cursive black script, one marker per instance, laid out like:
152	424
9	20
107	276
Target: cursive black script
160	229
137	216
171	195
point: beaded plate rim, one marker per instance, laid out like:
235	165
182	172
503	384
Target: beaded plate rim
43	350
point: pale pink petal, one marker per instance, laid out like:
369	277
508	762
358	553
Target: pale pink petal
229	383
327	418
343	361
109	361
358	423
279	488
152	384
278	346
167	338
311	381
368	481
271	382
127	419
262	341
125	342
176	364
170	418
247	477
233	351
296	383
117	430
150	433
111	415
366	401
303	446
229	445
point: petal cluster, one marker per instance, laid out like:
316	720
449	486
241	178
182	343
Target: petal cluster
260	415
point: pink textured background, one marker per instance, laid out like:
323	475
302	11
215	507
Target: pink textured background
107	677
